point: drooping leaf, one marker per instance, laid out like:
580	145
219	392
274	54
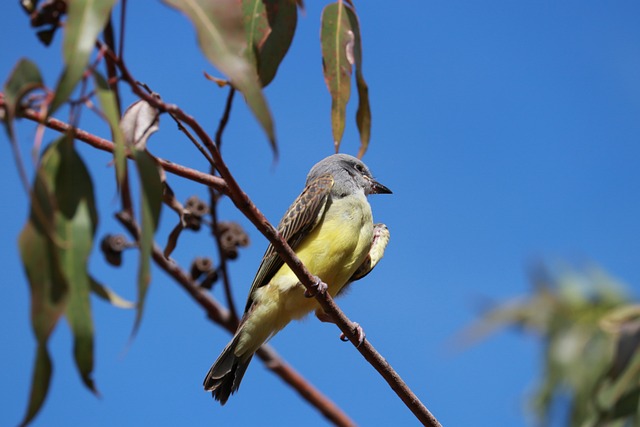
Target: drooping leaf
85	20
24	78
151	198
39	245
110	296
76	222
221	35
270	26
337	39
109	106
363	115
48	297
39	383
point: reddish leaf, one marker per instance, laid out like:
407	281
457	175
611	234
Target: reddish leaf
363	115
220	28
337	39
270	26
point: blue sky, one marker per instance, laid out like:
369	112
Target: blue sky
508	131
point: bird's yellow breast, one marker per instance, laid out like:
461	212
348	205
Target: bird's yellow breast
339	244
332	251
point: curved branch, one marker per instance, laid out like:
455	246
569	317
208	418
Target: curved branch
106	145
242	201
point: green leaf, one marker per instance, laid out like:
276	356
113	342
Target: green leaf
76	223
55	245
270	26
337	39
220	28
85	20
24	78
151	194
627	405
363	115
109	106
39	383
110	296
48	286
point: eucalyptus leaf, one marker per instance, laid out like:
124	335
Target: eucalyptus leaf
85	20
24	78
220	28
139	122
54	246
151	189
363	114
337	39
109	105
76	225
270	26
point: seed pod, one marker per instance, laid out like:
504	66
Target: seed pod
112	246
200	266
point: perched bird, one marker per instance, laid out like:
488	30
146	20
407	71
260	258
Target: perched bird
330	227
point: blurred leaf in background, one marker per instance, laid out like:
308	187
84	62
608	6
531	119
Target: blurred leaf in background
590	334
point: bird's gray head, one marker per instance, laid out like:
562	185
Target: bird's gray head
349	174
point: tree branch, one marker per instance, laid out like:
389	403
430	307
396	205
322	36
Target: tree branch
106	145
248	208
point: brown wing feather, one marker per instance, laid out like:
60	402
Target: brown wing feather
299	220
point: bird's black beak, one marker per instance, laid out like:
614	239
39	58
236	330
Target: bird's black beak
377	188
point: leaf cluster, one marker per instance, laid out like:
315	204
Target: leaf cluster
590	335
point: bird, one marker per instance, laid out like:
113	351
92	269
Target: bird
330	227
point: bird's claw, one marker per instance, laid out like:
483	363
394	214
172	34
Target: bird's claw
318	287
360	335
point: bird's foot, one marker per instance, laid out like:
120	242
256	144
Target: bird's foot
318	287
360	335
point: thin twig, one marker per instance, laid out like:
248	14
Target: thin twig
112	77
225	117
222	262
183	129
213	209
248	208
106	145
123	13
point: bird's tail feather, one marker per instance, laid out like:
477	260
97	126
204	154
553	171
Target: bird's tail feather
223	379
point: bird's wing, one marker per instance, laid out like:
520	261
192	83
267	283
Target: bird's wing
299	220
378	245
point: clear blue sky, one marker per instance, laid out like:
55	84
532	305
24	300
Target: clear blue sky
508	131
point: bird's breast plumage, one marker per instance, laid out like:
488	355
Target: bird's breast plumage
333	251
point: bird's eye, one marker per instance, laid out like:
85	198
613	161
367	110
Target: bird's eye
359	168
